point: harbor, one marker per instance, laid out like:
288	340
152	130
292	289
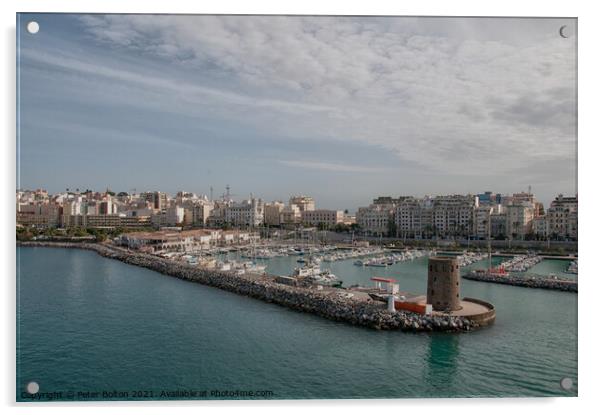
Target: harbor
199	331
303	293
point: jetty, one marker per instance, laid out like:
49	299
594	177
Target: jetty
528	281
333	303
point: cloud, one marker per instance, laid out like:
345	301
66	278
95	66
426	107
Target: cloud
333	167
446	93
455	96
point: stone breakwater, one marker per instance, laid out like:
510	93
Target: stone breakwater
528	282
327	304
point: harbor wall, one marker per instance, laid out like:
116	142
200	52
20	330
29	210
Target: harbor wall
485	318
527	282
329	305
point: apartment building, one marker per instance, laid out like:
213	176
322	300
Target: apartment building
246	213
304	203
376	218
562	217
519	219
444	216
324	217
272	212
290	215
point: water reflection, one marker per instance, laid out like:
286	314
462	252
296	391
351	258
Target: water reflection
442	361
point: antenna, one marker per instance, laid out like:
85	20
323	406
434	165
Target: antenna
530	189
211	192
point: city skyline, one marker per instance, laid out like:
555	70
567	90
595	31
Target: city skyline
227	194
344	109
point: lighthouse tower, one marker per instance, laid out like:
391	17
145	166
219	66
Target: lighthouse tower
444	284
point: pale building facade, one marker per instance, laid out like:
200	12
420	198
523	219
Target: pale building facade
272	213
562	217
376	218
323	217
247	213
304	203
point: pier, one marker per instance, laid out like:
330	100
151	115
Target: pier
332	303
523	281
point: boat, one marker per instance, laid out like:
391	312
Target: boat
313	273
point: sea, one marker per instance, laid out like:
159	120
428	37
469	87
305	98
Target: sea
92	328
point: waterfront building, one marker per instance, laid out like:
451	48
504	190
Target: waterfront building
290	215
304	203
238	237
540	226
171	216
453	216
562	217
498	225
197	211
272	213
322	217
376	219
414	218
519	219
444	216
111	221
482	217
217	216
169	241
246	213
43	215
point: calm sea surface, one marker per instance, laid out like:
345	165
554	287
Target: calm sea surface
87	323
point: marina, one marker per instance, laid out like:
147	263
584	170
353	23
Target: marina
219	326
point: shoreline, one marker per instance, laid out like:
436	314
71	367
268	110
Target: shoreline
328	305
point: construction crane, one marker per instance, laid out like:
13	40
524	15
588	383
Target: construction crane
227	196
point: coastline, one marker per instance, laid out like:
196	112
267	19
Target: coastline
327	305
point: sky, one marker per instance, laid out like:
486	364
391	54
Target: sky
340	108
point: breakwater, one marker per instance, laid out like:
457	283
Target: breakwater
524	281
328	304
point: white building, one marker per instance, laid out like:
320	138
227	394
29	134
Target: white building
445	216
247	213
376	218
519	219
171	216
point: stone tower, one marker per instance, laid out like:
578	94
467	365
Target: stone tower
443	284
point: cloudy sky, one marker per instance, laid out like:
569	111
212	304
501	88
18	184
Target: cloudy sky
341	108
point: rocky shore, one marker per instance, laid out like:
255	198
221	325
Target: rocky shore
327	304
528	282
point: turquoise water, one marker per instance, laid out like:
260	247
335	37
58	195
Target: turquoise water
90	324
